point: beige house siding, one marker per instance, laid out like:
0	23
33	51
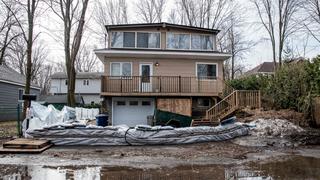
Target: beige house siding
167	67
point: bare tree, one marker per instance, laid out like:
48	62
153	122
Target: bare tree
312	22
204	13
277	19
109	12
18	55
43	78
7	28
29	8
150	11
234	42
86	60
72	13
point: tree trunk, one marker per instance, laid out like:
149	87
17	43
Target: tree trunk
31	10
274	55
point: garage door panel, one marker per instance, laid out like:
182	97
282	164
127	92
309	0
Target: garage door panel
132	111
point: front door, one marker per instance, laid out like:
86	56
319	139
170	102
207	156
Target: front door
146	77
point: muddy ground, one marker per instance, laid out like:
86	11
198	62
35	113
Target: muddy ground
248	156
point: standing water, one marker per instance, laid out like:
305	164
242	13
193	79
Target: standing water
287	167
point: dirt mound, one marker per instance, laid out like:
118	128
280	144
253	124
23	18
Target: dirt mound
248	115
274	128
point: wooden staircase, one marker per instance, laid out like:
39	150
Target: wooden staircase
232	100
236	100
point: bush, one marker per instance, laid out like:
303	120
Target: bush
291	87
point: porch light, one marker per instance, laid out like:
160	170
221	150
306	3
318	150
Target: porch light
157	64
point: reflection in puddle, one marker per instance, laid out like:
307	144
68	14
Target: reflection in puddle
295	167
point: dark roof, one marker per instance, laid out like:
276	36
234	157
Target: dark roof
163	25
60	99
9	75
80	75
265	67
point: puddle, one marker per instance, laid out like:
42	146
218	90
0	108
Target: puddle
288	167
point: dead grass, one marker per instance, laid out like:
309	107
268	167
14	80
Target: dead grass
8	129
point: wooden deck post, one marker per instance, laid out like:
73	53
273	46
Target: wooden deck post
259	105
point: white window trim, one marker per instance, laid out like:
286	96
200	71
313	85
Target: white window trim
145	63
136	40
217	72
120	68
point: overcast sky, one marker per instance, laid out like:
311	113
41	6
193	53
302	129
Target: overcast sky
50	30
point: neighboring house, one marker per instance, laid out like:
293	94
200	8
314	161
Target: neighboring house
59	101
162	66
266	68
12	86
88	85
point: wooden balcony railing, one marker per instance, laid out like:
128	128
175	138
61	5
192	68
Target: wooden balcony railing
161	85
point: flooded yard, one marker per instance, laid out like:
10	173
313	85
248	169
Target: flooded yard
287	167
223	160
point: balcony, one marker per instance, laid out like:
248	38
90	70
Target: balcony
160	86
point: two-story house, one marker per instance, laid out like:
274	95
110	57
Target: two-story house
88	85
162	66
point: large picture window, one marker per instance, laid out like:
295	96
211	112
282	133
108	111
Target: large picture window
206	71
148	40
178	41
123	39
120	69
201	42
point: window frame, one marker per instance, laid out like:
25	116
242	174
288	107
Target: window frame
20	98
201	34
206	79
149	33
86	82
135	40
149	103
177	33
121	63
200	106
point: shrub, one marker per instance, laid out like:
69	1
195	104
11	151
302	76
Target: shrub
291	87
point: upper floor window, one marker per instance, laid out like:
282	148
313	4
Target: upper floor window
86	82
201	42
206	70
120	69
123	39
148	40
66	82
135	40
178	41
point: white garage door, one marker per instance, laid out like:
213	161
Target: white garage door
132	111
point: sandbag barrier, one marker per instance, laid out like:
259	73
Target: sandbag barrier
122	135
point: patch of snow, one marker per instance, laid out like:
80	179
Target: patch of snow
274	128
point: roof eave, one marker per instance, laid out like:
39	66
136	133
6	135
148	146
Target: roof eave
164	25
162	54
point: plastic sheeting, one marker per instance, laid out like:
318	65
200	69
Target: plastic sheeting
43	116
141	135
